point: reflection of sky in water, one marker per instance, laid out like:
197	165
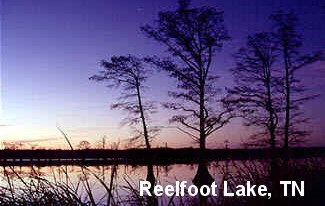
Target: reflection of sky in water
168	174
164	175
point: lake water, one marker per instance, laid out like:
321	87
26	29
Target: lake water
119	184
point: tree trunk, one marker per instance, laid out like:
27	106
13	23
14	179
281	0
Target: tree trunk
202	118
287	109
145	131
271	111
202	143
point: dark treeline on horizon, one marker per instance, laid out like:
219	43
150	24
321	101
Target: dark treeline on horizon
155	156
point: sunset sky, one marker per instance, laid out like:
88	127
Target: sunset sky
49	49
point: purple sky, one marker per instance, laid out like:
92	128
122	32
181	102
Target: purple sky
50	48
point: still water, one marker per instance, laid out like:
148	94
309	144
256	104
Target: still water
119	184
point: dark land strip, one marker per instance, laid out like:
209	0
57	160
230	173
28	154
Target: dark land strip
159	156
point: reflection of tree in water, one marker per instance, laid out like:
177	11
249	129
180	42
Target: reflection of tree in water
202	177
14	171
151	178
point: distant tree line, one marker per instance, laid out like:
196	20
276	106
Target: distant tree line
267	92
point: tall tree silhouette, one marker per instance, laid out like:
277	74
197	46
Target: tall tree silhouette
130	73
256	94
289	43
192	36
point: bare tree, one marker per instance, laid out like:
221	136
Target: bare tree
192	36
12	145
130	73
257	94
101	144
289	42
84	144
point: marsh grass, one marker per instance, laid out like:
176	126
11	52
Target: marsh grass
109	187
